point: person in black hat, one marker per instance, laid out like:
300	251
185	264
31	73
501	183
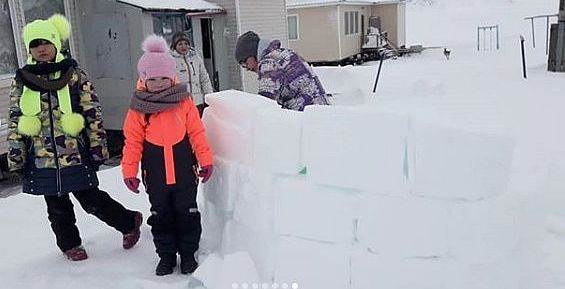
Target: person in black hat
282	74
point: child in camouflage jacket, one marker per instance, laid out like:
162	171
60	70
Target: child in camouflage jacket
57	141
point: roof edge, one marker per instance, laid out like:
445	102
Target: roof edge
338	2
217	10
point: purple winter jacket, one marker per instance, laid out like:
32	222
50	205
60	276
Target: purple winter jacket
285	77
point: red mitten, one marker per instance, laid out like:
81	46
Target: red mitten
132	184
206	172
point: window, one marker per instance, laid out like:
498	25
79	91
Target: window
351	20
167	24
346	21
42	9
8	56
356	22
292	27
351	24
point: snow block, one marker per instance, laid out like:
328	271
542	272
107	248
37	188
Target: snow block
277	141
238	107
370	271
485	231
312	264
315	212
223	187
254	206
455	164
228	140
259	244
219	273
213	223
403	227
355	148
238	268
208	269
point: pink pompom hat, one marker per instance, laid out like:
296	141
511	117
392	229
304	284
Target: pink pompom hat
156	60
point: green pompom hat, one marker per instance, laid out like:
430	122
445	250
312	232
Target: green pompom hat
56	29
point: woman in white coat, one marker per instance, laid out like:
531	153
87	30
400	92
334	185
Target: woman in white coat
191	70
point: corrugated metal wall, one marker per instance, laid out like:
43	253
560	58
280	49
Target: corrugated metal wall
4	110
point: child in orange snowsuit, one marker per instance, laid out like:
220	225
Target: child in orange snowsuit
162	130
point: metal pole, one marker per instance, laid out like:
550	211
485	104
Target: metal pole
533	34
382	55
490	34
523	56
484	37
546	35
497	39
478	39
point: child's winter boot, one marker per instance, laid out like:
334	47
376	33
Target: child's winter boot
130	239
76	254
188	263
166	265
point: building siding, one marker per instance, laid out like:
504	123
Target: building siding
317	35
268	19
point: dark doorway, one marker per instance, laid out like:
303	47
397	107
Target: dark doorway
208	51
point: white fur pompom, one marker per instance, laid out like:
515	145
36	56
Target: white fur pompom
154	43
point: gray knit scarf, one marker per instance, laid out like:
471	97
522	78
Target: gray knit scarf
148	102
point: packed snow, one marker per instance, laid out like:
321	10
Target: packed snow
449	176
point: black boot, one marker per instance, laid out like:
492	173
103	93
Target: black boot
188	263
166	264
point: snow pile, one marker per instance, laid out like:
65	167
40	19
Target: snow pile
359	194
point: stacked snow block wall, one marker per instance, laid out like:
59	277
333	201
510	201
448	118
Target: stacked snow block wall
348	197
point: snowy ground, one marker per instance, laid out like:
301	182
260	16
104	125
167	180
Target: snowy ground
480	91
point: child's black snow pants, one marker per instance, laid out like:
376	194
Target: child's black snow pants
175	219
95	202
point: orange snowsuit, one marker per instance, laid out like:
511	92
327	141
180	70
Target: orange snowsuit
165	130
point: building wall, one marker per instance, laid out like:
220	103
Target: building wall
351	44
317	33
4	113
401	24
393	20
268	19
226	64
111	63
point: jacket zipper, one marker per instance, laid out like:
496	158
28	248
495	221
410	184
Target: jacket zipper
193	70
54	143
188	71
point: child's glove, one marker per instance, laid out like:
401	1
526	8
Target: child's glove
132	184
206	172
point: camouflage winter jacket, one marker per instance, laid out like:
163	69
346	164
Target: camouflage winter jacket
285	77
54	162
